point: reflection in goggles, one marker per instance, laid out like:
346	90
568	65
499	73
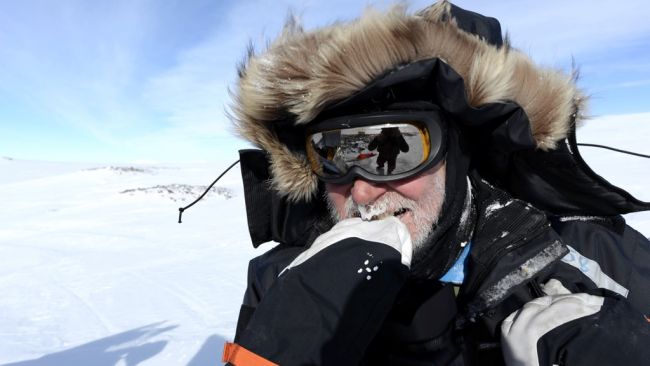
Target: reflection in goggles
379	149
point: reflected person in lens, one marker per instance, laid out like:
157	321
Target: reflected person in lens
388	144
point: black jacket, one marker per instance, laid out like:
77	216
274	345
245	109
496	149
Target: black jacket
332	317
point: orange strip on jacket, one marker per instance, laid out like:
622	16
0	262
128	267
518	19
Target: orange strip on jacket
240	356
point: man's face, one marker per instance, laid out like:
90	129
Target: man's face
416	201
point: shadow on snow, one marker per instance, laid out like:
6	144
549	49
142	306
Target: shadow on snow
126	348
210	352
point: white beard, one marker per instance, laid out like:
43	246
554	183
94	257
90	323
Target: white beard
424	213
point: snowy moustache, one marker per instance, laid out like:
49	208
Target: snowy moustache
378	147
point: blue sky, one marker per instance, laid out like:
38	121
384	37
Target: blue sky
139	80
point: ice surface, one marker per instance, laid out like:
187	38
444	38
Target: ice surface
92	276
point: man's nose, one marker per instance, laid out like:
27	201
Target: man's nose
364	192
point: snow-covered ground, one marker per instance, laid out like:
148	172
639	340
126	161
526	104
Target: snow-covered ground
95	269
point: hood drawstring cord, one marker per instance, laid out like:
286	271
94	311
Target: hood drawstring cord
614	149
181	209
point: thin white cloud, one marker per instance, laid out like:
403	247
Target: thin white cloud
632	84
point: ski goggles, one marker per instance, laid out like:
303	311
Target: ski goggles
378	147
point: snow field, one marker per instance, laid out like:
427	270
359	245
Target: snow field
81	262
92	276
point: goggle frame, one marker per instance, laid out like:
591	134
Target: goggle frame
432	120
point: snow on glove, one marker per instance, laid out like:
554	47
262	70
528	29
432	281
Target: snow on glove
575	329
329	303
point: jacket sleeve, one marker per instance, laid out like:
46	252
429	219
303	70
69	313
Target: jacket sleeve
596	304
563	328
329	303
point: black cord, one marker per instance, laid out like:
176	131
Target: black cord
613	149
181	209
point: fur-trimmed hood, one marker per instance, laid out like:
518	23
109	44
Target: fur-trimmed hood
304	72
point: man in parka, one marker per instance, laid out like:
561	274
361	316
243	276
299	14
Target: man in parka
491	243
388	143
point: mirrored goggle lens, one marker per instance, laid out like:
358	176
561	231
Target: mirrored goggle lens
386	149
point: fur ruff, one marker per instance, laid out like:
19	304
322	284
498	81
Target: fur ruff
301	73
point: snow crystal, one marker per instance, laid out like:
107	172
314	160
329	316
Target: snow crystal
495	207
467	205
371	212
568	145
527	270
580	218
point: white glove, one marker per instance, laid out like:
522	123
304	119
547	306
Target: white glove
389	231
521	330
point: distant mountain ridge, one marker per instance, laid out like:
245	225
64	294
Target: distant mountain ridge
180	192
